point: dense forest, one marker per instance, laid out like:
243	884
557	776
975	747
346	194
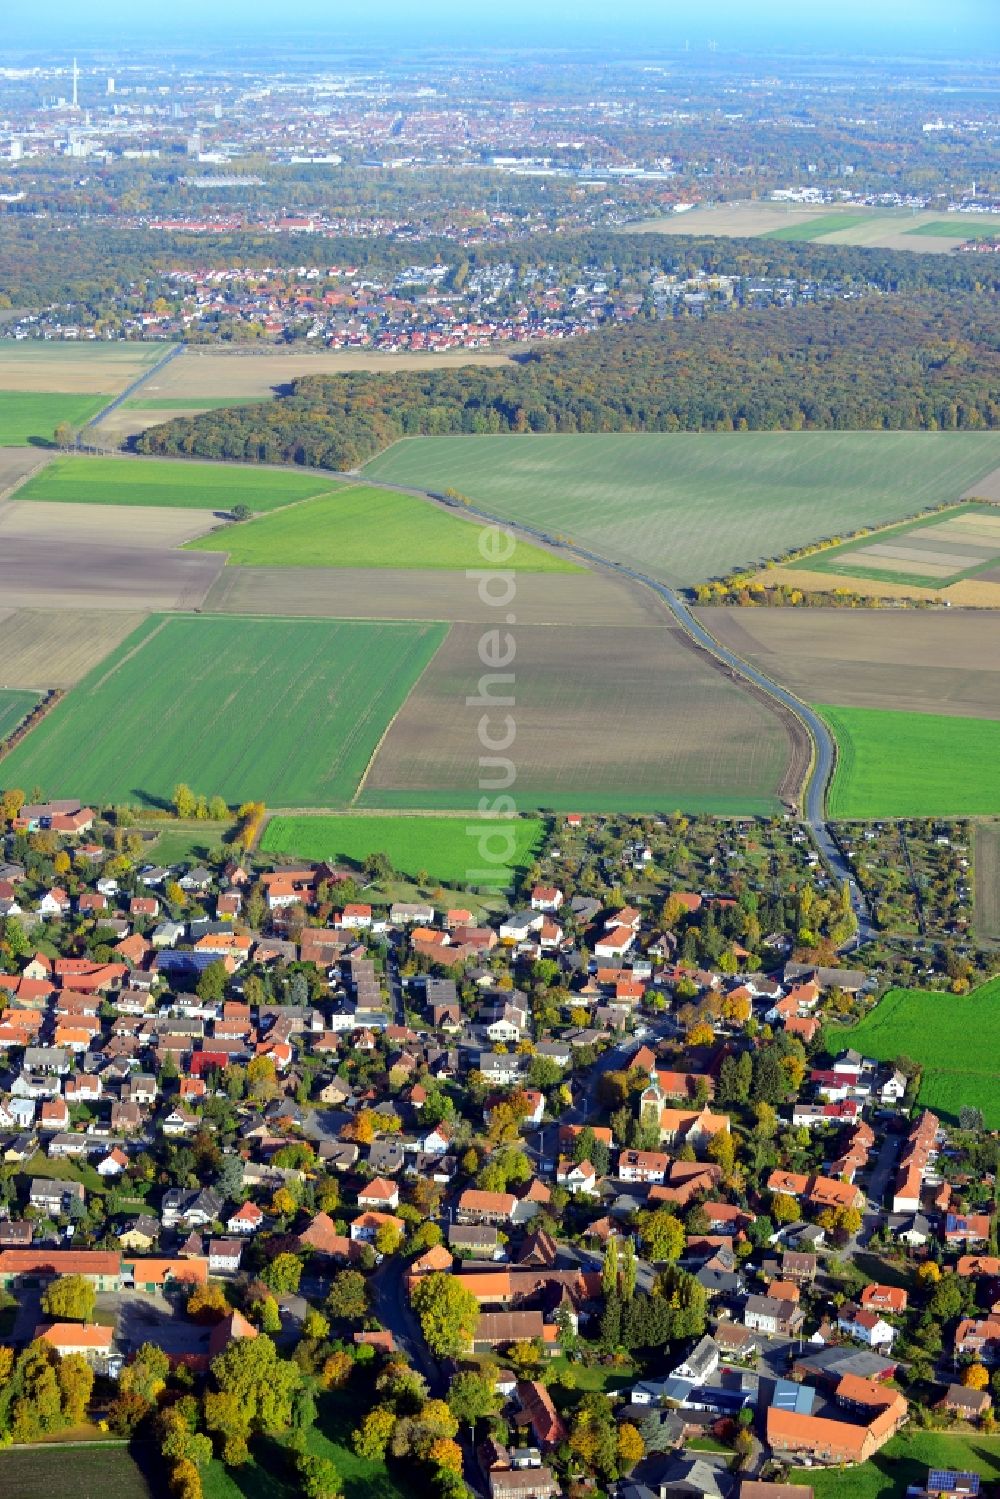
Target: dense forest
874	362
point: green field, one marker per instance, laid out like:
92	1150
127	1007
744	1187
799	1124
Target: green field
31	417
904	1462
955	1037
691	506
289	711
892	764
85	1472
151	481
439	846
14	706
827	223
964	229
367	527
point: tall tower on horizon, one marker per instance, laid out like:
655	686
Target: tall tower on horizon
76	77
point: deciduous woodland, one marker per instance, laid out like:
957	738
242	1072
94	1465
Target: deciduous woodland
872	363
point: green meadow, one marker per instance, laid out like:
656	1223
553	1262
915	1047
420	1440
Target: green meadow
151	481
30	418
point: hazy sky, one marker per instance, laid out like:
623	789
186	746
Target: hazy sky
899	25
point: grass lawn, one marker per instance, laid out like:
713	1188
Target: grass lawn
184	842
690	506
827	223
288	711
955	1037
903	1462
14	706
83	1472
31	417
62	1169
152	481
366	527
893	764
270	1477
439	846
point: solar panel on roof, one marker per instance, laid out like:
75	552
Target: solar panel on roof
948	1481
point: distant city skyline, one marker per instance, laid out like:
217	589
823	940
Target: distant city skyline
892	25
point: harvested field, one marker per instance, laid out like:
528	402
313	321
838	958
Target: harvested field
439	848
691	506
36	574
581	599
986	865
117	525
949	1035
287	711
927	552
171	482
80	369
885	229
918	661
41	649
359	526
16	463
216	374
892	764
128	421
14	708
85	1472
615	720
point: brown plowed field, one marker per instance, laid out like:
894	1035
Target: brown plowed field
614	718
370	593
17	463
921	661
34	574
216	374
55	648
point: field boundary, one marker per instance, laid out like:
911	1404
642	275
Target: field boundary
385	732
31	721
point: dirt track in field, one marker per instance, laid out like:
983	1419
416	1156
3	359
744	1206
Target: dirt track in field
987	877
144	526
584	600
613	713
55	648
919	661
214	374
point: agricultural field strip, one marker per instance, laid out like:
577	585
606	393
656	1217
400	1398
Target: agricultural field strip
14	707
440	847
968	527
592	600
198	698
172	482
986	867
249	377
363	526
54	525
690	506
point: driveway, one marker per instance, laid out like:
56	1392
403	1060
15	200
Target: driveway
878	1184
151	1319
